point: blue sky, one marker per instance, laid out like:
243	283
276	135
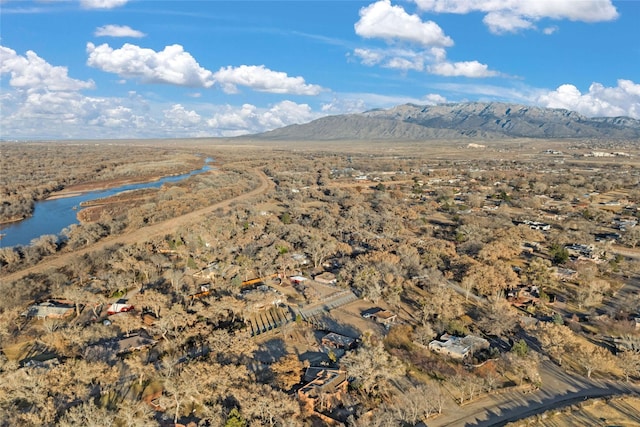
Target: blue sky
143	69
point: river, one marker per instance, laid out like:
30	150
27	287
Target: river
54	215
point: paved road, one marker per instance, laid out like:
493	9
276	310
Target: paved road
558	389
142	234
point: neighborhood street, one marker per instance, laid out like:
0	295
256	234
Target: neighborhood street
558	389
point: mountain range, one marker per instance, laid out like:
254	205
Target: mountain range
473	120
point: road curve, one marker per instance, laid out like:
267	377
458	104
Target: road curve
160	228
559	389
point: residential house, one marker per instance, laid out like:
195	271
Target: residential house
524	296
50	309
536	225
565	274
380	315
458	347
581	252
297	280
119	346
326	278
131	343
337	341
324	388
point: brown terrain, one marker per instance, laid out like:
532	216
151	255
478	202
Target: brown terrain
161	228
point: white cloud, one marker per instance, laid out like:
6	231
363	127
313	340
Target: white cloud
347	103
488	92
30	72
393	23
172	65
262	79
435	98
621	100
102	4
514	15
118	31
472	69
232	121
72	115
344	105
402	59
42	101
177	115
436	57
382	20
369	57
505	22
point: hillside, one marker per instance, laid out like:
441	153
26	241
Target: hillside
453	121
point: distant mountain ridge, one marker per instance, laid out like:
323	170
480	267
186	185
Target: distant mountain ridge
474	120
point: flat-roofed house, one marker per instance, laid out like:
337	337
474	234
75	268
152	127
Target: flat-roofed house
324	389
50	309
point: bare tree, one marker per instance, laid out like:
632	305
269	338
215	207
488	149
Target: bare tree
373	368
287	371
629	363
554	339
591	357
87	414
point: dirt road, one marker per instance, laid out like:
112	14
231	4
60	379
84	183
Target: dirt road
161	228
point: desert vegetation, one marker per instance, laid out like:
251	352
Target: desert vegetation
34	171
523	251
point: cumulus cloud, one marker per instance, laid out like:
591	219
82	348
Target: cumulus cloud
433	60
505	22
69	114
172	65
31	73
42	101
177	115
473	69
233	121
102	4
402	59
393	23
369	57
621	100
262	79
382	20
515	15
118	31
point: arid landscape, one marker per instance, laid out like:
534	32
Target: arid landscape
353	283
366	213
